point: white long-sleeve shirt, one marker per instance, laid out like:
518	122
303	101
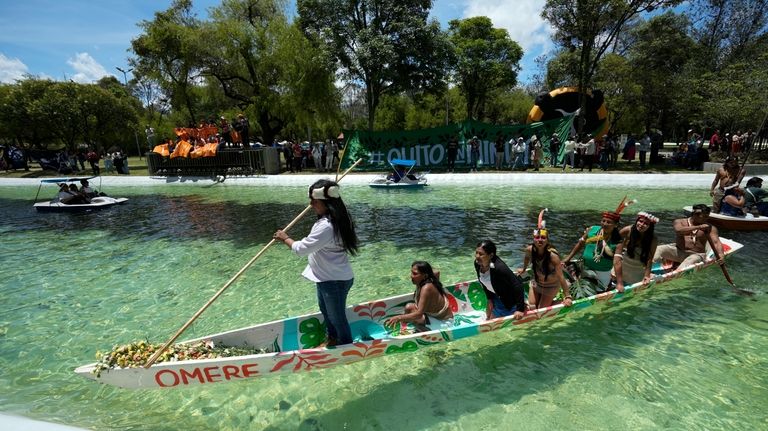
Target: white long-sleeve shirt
327	259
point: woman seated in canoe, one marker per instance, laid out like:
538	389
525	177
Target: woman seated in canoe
502	287
733	201
599	245
633	259
430	308
547	271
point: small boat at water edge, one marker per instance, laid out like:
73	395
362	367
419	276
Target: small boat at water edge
96	203
722	221
400	179
291	344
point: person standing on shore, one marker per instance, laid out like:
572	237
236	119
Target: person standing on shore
474	153
452	150
499	147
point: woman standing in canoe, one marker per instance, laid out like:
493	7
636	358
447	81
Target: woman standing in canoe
327	247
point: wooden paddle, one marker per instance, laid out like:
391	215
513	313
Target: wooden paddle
725	271
235	277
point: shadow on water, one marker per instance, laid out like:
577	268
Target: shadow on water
193	217
522	364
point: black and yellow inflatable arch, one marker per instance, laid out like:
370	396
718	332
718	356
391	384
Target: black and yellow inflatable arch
565	101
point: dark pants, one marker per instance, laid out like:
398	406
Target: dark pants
451	160
332	299
642	159
94	166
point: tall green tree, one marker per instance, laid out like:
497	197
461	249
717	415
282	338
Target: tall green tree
388	46
166	53
661	52
620	82
590	28
264	63
487	61
47	114
728	30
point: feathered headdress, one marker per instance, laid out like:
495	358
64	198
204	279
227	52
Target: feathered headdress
648	216
616	215
541	226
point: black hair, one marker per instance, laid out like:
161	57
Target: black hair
343	225
615	235
754	182
645	244
545	260
429	275
701	207
488	246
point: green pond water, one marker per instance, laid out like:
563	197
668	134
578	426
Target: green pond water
689	354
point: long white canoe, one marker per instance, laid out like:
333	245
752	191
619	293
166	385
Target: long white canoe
293	342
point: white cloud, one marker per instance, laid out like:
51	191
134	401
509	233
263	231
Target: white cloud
11	69
86	68
521	18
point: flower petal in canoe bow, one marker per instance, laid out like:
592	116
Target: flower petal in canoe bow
365	350
493	325
306	361
371	310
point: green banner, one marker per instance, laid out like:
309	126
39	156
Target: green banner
428	146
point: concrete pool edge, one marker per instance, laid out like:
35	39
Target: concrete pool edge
643	180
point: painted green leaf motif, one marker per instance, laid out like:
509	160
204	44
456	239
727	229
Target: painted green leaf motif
459	319
408	346
313	332
477	297
456	292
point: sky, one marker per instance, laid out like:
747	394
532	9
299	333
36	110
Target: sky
85	40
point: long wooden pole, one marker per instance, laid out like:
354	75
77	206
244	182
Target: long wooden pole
232	280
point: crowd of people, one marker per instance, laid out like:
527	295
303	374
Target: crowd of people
68	162
589	152
323	155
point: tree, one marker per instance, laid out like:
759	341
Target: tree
487	61
619	80
167	54
590	28
728	30
388	46
261	61
661	52
44	113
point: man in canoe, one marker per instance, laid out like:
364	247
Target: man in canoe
727	175
692	234
754	195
